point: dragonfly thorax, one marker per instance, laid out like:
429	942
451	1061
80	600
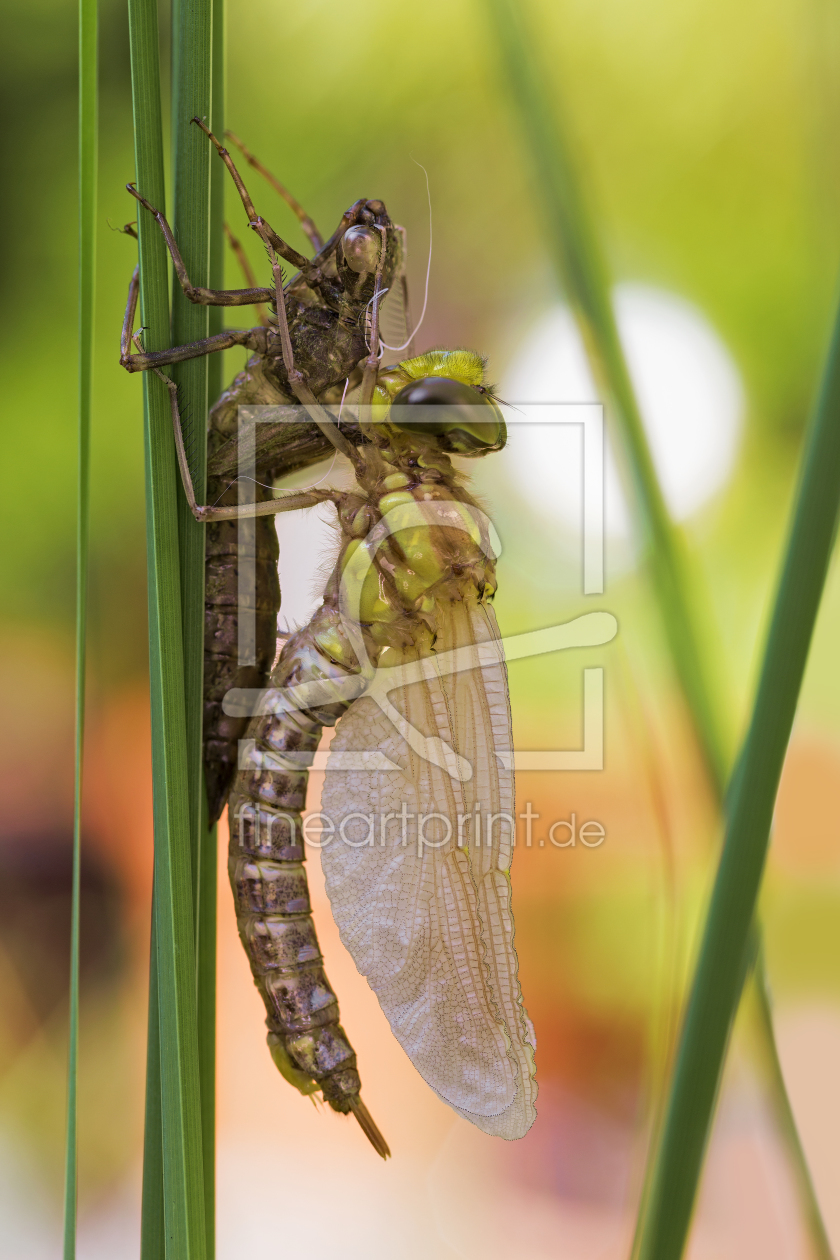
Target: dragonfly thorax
415	543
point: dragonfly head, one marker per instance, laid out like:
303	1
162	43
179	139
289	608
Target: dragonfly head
442	396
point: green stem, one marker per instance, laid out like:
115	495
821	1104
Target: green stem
88	139
716	987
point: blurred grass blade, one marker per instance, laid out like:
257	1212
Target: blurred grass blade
88	127
580	267
582	272
174	930
716	987
785	1118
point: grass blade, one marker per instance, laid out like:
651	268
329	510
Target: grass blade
174	956
193	48
152	1227
785	1118
581	270
192	26
582	273
206	880
218	178
206	1019
716	987
88	138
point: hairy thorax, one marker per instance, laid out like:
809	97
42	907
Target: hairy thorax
413	542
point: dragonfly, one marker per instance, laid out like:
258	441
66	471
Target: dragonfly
403	656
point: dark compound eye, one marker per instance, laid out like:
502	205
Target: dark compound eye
461	420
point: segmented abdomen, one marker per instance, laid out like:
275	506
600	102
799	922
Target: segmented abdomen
283	449
269	884
275	924
222	609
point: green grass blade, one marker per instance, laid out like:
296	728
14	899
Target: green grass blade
785	1118
192	29
218	179
206	1014
152	1226
207	870
582	272
182	1155
193	46
716	987
88	144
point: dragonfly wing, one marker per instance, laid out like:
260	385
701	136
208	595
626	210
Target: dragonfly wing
421	891
393	320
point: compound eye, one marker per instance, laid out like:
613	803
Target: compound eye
451	413
439	391
361	246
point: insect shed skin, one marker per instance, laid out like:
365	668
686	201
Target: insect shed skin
327	333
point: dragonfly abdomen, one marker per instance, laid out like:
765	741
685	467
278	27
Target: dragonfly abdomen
223	607
271	893
274	917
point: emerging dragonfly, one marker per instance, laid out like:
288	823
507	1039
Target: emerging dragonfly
403	653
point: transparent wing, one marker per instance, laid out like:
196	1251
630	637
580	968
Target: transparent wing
395	319
420	889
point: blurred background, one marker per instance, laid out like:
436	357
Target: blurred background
708	139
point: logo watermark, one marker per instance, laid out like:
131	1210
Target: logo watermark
417	831
378	684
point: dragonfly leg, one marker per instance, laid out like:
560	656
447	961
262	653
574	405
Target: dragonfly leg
207	512
372	361
195	293
256	221
306	222
252	338
311	273
130	315
247	271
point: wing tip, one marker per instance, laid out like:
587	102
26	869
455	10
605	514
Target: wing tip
369	1127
